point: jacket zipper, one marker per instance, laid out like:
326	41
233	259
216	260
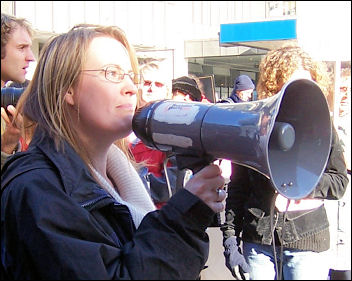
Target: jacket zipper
91	203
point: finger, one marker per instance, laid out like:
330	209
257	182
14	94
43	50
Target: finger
204	185
235	273
209	171
217	207
244	271
217	183
13	111
5	116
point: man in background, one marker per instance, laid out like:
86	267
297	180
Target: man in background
242	89
16	54
186	89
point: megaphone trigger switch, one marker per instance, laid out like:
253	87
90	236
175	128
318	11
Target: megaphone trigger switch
283	136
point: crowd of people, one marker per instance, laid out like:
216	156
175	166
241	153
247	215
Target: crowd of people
83	198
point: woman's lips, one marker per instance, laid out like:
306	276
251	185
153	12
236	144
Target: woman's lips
130	107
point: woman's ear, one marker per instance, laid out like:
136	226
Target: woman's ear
69	97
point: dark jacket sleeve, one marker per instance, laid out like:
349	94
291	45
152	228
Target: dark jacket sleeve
50	236
237	195
334	180
174	241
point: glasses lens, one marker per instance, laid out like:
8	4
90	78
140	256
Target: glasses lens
158	84
147	83
114	74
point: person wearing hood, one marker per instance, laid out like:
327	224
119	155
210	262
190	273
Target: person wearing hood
242	89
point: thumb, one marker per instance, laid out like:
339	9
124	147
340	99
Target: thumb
236	273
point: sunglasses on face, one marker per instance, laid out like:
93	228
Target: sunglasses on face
148	83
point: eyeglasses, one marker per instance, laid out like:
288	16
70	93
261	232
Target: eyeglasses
115	74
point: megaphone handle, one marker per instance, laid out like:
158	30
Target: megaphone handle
216	221
191	162
196	164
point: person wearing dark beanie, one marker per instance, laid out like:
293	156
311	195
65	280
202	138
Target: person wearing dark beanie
186	89
242	89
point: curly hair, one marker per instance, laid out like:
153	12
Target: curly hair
8	25
278	65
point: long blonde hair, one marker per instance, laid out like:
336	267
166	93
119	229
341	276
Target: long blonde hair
58	69
278	65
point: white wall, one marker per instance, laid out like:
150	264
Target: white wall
324	29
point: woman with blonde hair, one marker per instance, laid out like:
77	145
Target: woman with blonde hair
72	205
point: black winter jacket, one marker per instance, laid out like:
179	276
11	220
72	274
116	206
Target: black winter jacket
58	223
249	200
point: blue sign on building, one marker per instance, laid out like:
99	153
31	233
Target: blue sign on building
233	33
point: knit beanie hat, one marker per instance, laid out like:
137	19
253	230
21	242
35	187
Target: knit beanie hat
243	82
188	86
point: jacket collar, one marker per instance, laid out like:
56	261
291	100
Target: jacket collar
235	97
74	173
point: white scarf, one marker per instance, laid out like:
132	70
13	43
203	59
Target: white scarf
129	190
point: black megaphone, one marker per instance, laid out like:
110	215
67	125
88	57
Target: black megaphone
286	137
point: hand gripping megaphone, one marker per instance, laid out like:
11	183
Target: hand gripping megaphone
286	137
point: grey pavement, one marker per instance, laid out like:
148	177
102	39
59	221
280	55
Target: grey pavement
217	269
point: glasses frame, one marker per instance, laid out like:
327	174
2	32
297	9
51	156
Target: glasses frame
136	78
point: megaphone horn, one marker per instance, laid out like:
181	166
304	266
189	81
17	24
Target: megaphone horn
286	137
